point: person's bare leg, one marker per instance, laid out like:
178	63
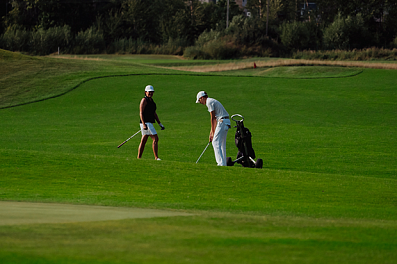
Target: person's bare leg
155	146
142	146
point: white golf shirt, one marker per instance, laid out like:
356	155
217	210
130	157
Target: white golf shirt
215	105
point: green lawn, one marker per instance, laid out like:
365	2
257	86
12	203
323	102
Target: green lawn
326	194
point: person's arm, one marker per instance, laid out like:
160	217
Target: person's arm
142	106
213	125
156	117
158	121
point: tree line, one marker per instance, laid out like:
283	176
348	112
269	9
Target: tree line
194	28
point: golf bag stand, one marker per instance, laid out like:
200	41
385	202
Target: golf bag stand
245	154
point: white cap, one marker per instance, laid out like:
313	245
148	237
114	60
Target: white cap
149	88
199	95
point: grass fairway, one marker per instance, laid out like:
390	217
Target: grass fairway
326	194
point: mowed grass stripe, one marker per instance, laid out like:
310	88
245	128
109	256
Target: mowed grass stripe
22	213
209	238
116	181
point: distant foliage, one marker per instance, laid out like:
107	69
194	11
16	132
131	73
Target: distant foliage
208	36
173	46
219	48
244	37
90	41
346	33
38	42
139	46
43	42
246	31
196	29
130	45
355	55
15	39
299	35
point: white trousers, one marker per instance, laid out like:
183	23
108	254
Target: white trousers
219	141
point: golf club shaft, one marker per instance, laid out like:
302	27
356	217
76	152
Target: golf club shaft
129	138
203	151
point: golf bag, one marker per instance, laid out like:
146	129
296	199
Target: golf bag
245	154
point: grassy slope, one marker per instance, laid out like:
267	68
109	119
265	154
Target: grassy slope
25	79
326	194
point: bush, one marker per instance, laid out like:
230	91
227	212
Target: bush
208	36
173	46
122	46
299	35
219	49
346	33
194	52
15	39
394	43
131	46
244	37
246	31
90	41
39	42
43	42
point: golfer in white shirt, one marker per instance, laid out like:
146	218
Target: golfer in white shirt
220	124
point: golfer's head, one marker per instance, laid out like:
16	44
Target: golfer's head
201	96
149	90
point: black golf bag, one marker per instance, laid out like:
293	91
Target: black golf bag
245	154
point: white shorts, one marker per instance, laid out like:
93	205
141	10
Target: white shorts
150	129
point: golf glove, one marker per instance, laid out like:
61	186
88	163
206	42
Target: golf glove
162	127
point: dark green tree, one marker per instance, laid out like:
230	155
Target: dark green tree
23	14
143	19
169	12
221	12
370	10
279	10
195	18
373	12
347	33
33	14
298	35
389	26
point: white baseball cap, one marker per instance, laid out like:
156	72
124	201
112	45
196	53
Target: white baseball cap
199	95
149	88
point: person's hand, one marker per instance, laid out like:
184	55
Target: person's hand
211	137
162	127
144	127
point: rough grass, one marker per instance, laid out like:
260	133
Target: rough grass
283	63
369	54
26	79
298	72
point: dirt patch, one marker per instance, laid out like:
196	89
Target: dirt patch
18	213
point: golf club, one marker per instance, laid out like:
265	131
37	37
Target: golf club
129	138
203	151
